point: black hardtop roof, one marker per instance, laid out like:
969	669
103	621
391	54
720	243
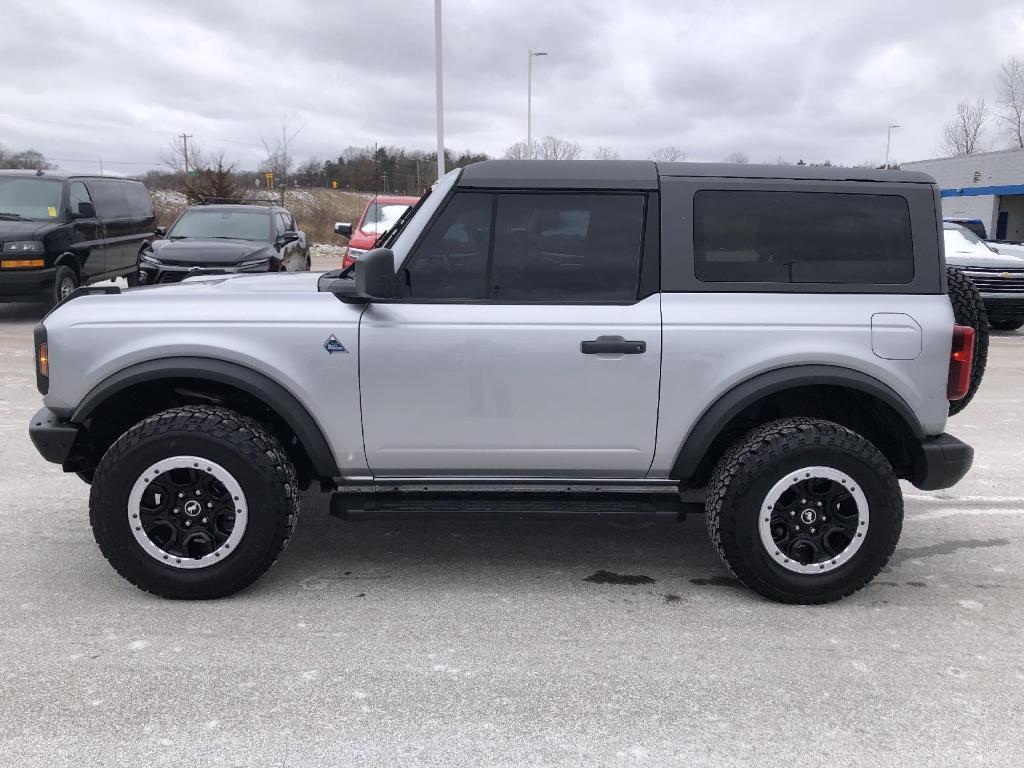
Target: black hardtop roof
63	175
644	174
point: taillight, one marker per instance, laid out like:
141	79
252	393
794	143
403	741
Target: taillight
960	358
347	260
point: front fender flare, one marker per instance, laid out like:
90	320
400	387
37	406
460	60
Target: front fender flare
260	386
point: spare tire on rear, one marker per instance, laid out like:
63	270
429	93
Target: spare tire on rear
968	309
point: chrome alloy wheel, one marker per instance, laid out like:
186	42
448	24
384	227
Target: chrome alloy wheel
813	520
187	512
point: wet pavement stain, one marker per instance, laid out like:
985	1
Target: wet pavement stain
670	598
717	581
916	584
945	548
607	577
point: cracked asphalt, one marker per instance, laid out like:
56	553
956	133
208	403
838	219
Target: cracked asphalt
482	643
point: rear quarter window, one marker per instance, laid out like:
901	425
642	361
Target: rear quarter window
801	237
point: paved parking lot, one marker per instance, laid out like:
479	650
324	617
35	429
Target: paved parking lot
480	643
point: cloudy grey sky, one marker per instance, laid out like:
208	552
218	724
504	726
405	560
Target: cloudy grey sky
811	80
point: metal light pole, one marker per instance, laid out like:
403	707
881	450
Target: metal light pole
529	100
439	76
888	143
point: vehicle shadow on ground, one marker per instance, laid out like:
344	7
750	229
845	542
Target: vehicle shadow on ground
22	312
486	553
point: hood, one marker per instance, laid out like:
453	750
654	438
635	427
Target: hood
214	285
25	230
977	259
222	253
1007	249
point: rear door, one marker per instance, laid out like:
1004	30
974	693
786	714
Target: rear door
525	346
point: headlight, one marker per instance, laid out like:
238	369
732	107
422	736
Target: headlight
355	253
149	258
255	264
24	246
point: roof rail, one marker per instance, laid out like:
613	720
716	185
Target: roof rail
232	200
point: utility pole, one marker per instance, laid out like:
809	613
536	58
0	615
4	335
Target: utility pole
529	100
184	148
439	76
888	143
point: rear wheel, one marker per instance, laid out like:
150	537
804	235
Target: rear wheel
969	309
804	510
195	502
1006	325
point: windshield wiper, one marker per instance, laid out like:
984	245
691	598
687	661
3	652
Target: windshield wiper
12	216
387	238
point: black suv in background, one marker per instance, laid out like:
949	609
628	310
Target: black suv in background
59	231
217	239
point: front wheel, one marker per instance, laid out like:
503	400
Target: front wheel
195	502
804	510
65	281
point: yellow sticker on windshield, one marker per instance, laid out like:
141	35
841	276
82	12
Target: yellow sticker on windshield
52	210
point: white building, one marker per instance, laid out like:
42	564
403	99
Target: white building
987	186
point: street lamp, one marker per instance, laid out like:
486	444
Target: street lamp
529	100
888	143
439	77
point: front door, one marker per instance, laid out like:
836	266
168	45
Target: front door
87	234
522	347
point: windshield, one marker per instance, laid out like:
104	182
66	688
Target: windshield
382	216
30	198
234	225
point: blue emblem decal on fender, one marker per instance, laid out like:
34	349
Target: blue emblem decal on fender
332	345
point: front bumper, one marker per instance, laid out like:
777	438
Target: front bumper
941	462
54	437
1004	305
25	283
152	274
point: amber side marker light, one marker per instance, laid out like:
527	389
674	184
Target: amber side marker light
20	263
43	360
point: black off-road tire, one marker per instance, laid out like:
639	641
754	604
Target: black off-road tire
750	468
1006	325
64	280
237	443
969	309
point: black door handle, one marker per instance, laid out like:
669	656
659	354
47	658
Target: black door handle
612	345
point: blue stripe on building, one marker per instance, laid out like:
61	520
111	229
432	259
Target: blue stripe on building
1008	189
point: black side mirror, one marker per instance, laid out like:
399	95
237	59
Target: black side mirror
375	274
161	231
286	237
343	228
85	211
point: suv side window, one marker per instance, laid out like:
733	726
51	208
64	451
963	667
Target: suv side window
77	193
801	237
110	199
451	261
281	224
571	247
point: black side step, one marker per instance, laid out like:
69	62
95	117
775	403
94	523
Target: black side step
477	505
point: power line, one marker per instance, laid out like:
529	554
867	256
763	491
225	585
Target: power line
132	129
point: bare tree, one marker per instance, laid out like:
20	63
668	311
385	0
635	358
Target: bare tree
606	153
29	159
668	154
962	136
737	157
778	160
279	160
1011	99
548	148
205	178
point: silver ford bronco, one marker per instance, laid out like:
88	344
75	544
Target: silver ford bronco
773	343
